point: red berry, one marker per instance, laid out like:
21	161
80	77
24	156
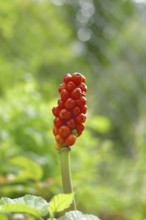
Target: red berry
80	128
80	118
70	103
70	86
61	87
71	123
76	111
84	94
64	114
81	102
83	79
76	93
84	109
55	130
55	111
59	139
70	140
64	131
83	87
67	78
60	103
77	78
57	122
64	94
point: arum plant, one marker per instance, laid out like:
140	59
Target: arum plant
70	115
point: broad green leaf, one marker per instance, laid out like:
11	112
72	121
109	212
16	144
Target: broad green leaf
28	204
76	215
30	169
17	207
60	202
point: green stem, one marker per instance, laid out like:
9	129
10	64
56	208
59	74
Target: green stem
66	173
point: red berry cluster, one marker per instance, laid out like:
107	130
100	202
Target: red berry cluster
70	113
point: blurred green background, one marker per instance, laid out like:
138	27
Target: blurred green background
40	41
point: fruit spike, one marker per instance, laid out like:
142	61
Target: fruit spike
70	113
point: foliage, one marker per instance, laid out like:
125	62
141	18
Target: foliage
27	204
98	25
60	202
26	43
39	207
73	215
30	170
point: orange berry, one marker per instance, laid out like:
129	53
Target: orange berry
60	103
84	109
81	102
76	93
55	131
83	79
57	122
70	140
59	139
64	131
61	87
67	78
64	94
80	129
64	114
80	118
71	123
83	87
70	86
76	111
84	94
55	111
77	78
70	103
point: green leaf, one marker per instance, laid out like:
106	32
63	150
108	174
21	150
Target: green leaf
30	169
28	204
76	215
60	202
16	207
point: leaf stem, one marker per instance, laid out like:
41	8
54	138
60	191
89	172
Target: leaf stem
66	173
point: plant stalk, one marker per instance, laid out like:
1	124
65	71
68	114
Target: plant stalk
66	174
